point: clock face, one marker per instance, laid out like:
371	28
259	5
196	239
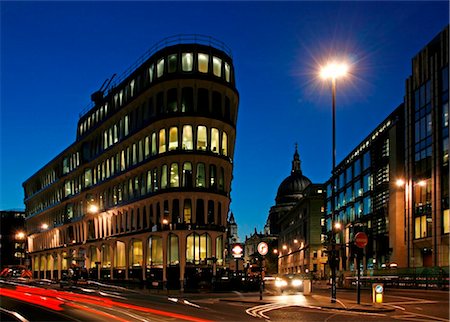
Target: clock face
263	248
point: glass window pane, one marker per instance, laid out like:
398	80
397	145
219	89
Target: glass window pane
217	66
227	72
160	68
172	246
201	138
203	63
162	141
188	143
215	140
150	73
172	62
173	138
174	178
224	144
164	176
187	211
187	174
187	60
200	176
153	143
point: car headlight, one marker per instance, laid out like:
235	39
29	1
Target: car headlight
280	283
297	283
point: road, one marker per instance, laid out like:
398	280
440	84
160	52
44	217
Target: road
95	303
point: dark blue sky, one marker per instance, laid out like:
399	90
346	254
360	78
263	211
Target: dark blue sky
55	54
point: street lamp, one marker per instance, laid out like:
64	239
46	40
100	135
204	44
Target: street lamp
333	71
44	226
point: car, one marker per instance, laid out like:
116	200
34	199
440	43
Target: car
289	283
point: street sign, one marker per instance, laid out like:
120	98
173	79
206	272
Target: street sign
263	248
361	239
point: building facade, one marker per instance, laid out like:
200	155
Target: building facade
12	238
144	191
367	198
394	185
427	172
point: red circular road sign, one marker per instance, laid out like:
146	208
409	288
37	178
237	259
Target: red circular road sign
361	239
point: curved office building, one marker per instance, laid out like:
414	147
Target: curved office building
144	191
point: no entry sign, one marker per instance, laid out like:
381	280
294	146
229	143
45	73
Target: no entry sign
361	239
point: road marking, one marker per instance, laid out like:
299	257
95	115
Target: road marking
15	314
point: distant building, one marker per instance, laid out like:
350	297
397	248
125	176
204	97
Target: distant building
233	237
144	191
252	256
295	224
12	238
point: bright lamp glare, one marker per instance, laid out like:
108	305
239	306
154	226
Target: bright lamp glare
333	70
400	182
297	283
93	209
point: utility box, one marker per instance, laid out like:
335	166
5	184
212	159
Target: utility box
377	292
307	287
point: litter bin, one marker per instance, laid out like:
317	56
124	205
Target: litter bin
307	287
377	292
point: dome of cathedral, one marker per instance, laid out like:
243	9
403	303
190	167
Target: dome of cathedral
291	189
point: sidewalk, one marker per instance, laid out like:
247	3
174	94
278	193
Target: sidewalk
315	301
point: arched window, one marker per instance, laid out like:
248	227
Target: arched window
224	144
198	248
172	250
202	139
187	138
187	211
155	251
187	61
215	140
200	176
172	63
162	141
119	255
173	138
164	176
160	67
136	253
174	177
203	60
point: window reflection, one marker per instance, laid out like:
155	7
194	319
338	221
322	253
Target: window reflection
187	60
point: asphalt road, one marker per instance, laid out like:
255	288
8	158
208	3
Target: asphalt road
106	304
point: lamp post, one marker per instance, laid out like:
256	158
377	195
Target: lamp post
333	71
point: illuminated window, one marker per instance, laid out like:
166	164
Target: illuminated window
154	143
214	140
122	160
187	138
217	66
174	177
136	254
134	154
160	68
119	255
149	181
187	211
164	176
200	176
172	63
201	138
155	253
87	177
126	125
187	60
172	248
198	248
446	221
115	134
219	250
155	179
173	138
147	147
162	141
227	72
203	63
150	73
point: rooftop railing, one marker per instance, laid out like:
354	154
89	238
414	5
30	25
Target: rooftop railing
166	42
